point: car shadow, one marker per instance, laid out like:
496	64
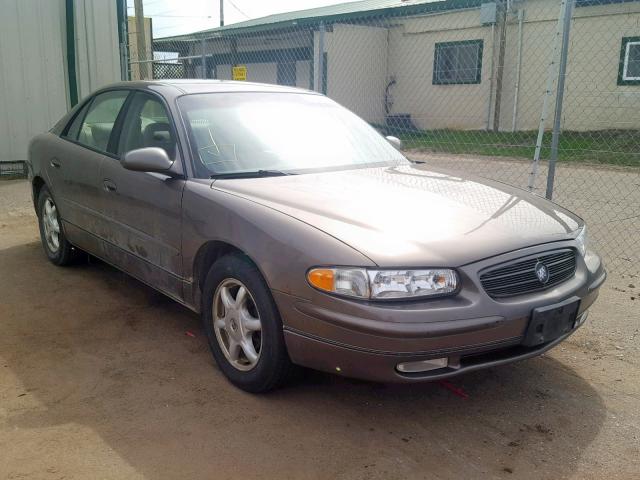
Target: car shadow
90	346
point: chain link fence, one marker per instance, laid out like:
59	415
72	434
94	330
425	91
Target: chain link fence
473	86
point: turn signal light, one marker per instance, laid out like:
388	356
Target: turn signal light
322	278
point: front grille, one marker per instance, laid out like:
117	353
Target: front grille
518	277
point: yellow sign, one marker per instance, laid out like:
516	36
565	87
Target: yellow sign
239	72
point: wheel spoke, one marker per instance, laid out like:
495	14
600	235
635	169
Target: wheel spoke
220	323
55	225
240	297
47	208
227	299
249	350
249	322
234	350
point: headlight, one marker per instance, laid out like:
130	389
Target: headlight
384	284
582	241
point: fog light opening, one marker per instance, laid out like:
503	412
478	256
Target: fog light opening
581	319
423	365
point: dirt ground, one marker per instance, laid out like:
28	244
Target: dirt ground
99	379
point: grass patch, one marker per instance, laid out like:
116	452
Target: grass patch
612	147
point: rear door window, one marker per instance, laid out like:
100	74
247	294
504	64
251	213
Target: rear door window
73	129
95	130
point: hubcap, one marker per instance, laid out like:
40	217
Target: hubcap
51	225
237	324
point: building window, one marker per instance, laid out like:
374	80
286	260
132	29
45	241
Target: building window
629	73
457	62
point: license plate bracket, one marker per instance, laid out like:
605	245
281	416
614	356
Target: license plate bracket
550	322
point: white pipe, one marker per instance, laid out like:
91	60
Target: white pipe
518	68
490	103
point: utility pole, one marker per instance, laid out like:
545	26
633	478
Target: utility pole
141	40
222	13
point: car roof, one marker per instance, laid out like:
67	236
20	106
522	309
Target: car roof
187	86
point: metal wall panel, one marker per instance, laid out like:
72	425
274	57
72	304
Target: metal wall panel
97	47
34	90
33	93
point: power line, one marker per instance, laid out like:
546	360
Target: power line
237	9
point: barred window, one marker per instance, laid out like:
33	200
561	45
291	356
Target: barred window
629	73
458	62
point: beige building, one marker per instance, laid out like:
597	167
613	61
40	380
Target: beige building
450	64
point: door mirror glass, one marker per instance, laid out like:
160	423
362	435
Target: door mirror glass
395	141
149	159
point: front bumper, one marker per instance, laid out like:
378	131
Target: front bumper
382	367
368	341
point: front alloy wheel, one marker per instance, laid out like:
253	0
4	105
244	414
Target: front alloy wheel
243	325
237	325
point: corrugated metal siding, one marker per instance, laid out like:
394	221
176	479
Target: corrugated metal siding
33	93
33	71
97	51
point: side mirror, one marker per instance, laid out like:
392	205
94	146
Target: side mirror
395	141
149	159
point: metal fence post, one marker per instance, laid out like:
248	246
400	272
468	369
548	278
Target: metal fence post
562	71
320	57
547	94
204	58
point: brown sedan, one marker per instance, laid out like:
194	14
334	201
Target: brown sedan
304	237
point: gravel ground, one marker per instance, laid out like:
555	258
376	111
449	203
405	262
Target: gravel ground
99	379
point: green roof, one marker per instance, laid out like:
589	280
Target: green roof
362	10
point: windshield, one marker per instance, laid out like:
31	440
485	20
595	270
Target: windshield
283	132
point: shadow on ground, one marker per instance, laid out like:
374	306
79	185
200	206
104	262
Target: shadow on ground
89	348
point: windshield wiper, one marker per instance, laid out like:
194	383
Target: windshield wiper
251	174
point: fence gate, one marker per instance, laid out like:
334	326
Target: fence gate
463	83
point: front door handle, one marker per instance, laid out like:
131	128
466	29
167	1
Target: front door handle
109	186
55	163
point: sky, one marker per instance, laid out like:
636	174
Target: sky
174	17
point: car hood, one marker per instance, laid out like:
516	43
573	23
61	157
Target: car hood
411	216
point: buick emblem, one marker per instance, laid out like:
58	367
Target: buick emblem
542	272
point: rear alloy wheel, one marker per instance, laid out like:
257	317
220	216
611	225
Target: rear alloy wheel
243	325
51	225
59	251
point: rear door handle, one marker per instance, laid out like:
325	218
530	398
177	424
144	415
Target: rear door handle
55	163
109	186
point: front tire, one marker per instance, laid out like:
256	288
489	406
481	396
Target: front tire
243	326
56	246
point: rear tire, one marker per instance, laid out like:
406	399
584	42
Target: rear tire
56	246
243	326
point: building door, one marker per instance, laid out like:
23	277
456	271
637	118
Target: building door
287	73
